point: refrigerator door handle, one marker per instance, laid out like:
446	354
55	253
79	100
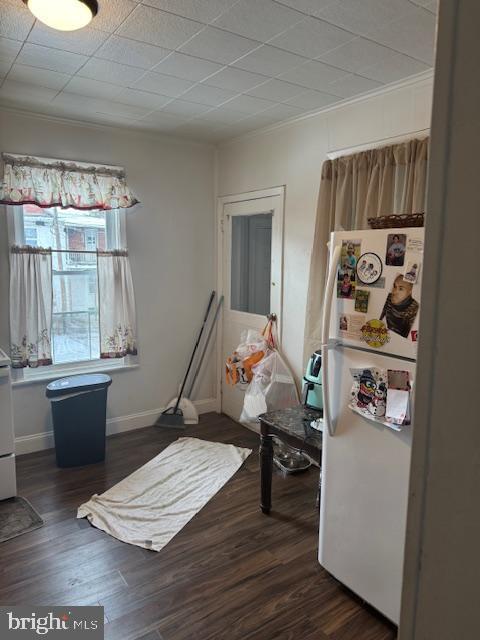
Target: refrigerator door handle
326	345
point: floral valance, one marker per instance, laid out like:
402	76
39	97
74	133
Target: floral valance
57	183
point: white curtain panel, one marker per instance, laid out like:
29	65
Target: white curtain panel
30	306
118	334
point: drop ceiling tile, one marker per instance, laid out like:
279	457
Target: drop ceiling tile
46	58
199	129
219	46
258	19
150	101
313	75
311	38
356	54
164	121
223	116
269	61
84	41
185	109
312	100
158	27
204	94
235	79
76	103
19	91
281	112
40	77
432	6
413	35
92	88
9	49
163	84
4	68
187	67
112	72
362	17
136	54
204	11
352	85
122	110
15	19
276	90
393	67
248	104
111	14
309	7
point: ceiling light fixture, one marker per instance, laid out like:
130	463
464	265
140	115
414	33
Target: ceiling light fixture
64	15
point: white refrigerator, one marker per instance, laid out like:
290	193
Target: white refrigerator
8	483
370	322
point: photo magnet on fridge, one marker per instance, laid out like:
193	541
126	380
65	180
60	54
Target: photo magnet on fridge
400	309
361	300
412	270
347	268
369	268
396	247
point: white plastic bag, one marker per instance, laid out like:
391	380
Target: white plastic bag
272	387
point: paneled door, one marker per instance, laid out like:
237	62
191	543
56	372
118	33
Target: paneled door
250	275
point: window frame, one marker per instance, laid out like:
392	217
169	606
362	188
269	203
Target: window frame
115	236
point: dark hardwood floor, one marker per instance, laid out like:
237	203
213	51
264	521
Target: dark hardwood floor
232	573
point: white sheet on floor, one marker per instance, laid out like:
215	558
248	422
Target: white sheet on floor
150	506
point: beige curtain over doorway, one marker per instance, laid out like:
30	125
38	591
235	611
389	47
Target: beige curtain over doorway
383	181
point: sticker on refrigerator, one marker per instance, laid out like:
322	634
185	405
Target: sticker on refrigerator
361	300
369	268
396	247
350	326
415	245
349	255
375	333
379	284
398	397
400	308
412	270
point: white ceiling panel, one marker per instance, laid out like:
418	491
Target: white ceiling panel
280	112
15	19
12	90
352	85
219	46
312	100
92	88
185	109
313	75
150	101
258	19
413	35
248	104
9	49
223	116
362	17
46	58
164	121
204	94
85	41
112	13
311	38
393	67
127	51
4	68
158	27
112	72
235	79
270	61
187	67
39	77
276	90
309	7
356	54
204	11
122	110
163	84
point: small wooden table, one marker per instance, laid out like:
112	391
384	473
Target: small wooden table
292	426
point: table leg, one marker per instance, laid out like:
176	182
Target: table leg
266	468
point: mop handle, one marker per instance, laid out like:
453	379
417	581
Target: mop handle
205	347
210	302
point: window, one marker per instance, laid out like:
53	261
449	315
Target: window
74	237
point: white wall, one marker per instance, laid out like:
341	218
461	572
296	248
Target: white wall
171	242
292	155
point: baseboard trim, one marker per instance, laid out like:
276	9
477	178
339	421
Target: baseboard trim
139	420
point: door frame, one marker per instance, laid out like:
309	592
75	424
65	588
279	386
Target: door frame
219	254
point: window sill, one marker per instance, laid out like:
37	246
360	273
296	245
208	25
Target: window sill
49	376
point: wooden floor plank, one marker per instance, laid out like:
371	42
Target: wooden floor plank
232	572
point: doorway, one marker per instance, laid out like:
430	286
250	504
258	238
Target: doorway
249	274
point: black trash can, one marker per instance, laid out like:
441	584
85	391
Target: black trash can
79	411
